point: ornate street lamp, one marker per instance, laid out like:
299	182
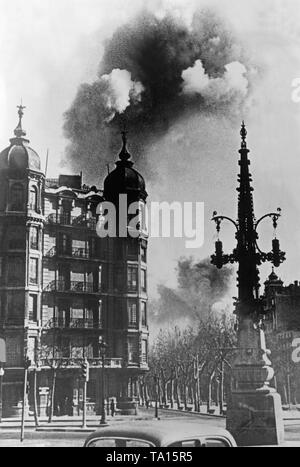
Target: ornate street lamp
102	348
254	415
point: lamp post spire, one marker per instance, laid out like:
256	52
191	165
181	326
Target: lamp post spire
254	415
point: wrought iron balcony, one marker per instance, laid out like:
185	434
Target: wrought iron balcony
73	323
76	362
74	252
72	286
74	221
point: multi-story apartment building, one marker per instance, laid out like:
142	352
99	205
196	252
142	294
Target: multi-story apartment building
63	289
282	324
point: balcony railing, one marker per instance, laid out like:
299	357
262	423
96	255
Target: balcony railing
74	252
74	221
72	286
77	362
73	323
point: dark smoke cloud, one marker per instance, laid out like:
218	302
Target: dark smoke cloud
153	72
202	291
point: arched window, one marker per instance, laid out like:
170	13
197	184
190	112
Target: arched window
33	199
16	197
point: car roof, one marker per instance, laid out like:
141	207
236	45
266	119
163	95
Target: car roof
160	432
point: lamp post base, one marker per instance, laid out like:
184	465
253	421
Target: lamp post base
255	418
254	414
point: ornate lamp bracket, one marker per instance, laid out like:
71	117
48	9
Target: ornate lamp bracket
219	259
276	256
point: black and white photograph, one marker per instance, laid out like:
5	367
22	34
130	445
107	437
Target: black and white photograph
149	226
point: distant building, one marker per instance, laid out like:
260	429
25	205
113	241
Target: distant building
63	289
282	324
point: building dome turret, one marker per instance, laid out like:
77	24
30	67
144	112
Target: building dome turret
19	156
124	179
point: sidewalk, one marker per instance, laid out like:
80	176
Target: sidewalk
67	423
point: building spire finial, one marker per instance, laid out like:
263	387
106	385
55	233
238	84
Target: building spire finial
19	132
243	134
124	154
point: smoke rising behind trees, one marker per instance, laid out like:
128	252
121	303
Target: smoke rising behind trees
202	292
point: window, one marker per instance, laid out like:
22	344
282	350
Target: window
132	313
189	443
132	247
33	198
93	247
32	344
34	238
16	237
144	254
64	244
99	278
132	275
15	271
33	270
118	443
144	314
132	350
62	319
144	351
15	308
32	307
118	316
65	347
118	249
144	280
215	443
16	197
119	278
100	313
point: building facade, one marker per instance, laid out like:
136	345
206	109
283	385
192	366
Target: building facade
282	324
64	291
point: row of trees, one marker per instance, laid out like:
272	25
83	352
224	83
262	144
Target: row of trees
192	366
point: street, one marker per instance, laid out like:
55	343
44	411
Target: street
69	434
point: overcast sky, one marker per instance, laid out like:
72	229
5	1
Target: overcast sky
49	47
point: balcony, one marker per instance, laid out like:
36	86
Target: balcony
76	362
73	323
68	220
72	286
74	252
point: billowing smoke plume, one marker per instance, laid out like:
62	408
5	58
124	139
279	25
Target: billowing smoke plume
153	72
202	290
117	92
231	85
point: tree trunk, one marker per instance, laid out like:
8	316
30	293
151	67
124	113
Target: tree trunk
177	393
165	393
35	405
52	396
210	391
185	392
146	392
221	394
172	393
159	393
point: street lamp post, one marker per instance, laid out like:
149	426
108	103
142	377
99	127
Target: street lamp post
156	395
103	347
254	415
